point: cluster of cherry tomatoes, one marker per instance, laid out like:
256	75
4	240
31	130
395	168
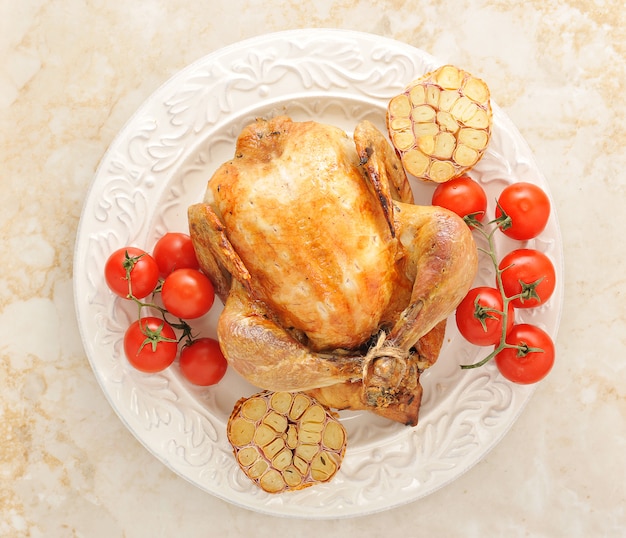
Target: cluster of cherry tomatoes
524	278
170	277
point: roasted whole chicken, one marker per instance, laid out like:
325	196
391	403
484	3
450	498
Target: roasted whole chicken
334	282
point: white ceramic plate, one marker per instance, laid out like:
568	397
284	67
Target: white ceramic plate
159	164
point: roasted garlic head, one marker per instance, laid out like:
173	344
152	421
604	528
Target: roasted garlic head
286	441
440	124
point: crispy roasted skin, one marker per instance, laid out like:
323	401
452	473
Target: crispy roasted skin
301	219
315	247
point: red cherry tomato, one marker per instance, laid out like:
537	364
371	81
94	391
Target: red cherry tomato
526	208
479	316
534	358
463	196
202	362
174	251
530	274
187	293
150	344
134	263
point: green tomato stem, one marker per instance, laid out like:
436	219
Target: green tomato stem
181	324
128	264
491	252
523	349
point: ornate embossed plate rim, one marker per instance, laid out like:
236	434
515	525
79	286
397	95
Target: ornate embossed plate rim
182	131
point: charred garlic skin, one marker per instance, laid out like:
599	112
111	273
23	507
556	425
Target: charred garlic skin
286	441
441	123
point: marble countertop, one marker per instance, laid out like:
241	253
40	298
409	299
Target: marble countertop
73	72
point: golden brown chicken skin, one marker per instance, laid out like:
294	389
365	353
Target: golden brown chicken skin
329	274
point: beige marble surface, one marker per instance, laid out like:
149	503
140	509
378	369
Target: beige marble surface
73	71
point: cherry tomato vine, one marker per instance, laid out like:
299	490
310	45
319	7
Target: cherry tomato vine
522	350
524	278
151	342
